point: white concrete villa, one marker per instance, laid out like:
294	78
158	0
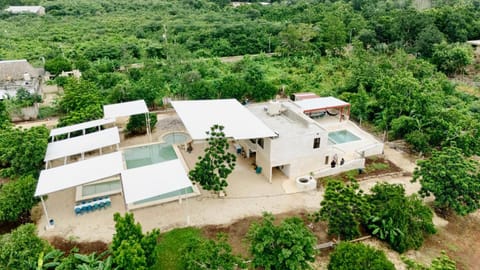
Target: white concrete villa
88	165
299	138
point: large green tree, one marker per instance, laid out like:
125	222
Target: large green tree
357	256
452	178
17	197
81	102
209	254
212	170
345	208
21	248
289	245
401	221
22	151
452	58
131	248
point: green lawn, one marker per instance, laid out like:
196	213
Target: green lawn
169	249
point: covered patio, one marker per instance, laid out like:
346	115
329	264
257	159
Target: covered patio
317	107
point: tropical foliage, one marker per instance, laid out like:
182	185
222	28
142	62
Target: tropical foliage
345	209
289	245
401	221
357	256
452	178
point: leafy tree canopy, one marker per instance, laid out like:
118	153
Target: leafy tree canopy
209	254
21	248
131	249
357	256
17	197
22	151
289	245
401	221
452	178
137	123
345	208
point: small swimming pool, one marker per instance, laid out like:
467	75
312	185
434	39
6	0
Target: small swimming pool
342	136
175	138
148	154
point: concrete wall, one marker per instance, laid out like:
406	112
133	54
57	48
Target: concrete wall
348	166
27	113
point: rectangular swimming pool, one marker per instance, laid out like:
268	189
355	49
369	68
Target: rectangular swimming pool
148	154
342	136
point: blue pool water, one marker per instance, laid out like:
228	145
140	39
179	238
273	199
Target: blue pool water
342	136
148	154
175	138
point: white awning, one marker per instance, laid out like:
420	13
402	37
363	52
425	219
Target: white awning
152	180
79	173
125	109
82	144
199	115
321	103
81	126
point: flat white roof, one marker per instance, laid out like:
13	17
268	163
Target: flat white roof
199	115
79	173
82	144
81	126
320	103
125	109
474	42
152	180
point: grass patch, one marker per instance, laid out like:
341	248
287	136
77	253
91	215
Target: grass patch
171	245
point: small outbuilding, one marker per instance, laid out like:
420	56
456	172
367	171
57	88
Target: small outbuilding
39	10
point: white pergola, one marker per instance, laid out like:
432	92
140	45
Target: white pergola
322	104
78	173
80	127
199	115
149	181
81	144
127	109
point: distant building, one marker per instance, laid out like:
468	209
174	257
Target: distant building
237	4
16	74
39	10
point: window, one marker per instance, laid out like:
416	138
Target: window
316	143
326	159
260	142
253	141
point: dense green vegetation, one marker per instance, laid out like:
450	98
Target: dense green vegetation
357	256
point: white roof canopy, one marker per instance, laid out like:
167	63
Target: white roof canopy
125	109
79	173
81	126
321	103
199	115
153	180
82	144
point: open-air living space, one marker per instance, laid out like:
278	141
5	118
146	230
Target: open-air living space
93	170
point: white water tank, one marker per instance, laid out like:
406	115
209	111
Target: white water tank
27	77
274	108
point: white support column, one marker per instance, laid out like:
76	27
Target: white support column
46	213
147	123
